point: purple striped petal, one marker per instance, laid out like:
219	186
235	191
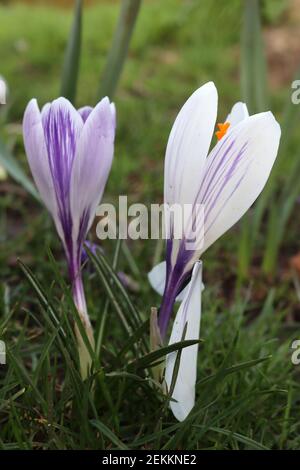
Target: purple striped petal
37	155
70	155
179	265
91	167
62	127
84	112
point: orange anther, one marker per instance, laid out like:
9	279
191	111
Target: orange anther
223	128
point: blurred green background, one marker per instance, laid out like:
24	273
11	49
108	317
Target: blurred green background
177	45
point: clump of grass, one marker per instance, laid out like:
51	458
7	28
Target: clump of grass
247	397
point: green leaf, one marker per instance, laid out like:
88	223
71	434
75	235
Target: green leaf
24	376
109	434
15	396
51	318
254	91
72	56
110	292
134	338
233	369
129	316
136	318
253	63
11	165
250	443
119	48
176	367
152	358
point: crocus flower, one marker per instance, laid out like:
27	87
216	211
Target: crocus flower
70	154
224	182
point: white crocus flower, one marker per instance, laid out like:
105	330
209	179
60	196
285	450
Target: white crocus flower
224	183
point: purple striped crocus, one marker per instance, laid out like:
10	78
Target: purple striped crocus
70	154
224	182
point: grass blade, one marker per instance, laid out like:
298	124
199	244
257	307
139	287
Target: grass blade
152	358
250	443
72	56
9	162
253	64
119	48
109	434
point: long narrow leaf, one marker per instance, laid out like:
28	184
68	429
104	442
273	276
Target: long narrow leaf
152	358
9	162
72	56
109	434
250	443
253	64
119	48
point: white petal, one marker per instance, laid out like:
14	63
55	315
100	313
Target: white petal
188	145
157	277
157	280
238	113
91	165
190	313
236	172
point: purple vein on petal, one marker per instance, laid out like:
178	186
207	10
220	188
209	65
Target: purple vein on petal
60	138
208	178
84	112
227	179
223	180
83	228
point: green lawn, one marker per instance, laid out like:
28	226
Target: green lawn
248	390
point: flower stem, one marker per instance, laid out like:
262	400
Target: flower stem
79	300
166	310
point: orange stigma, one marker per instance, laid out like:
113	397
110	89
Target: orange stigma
223	128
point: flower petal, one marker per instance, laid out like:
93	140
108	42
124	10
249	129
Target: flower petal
238	113
37	155
188	145
114	114
84	112
157	277
157	280
91	166
236	172
190	313
62	127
